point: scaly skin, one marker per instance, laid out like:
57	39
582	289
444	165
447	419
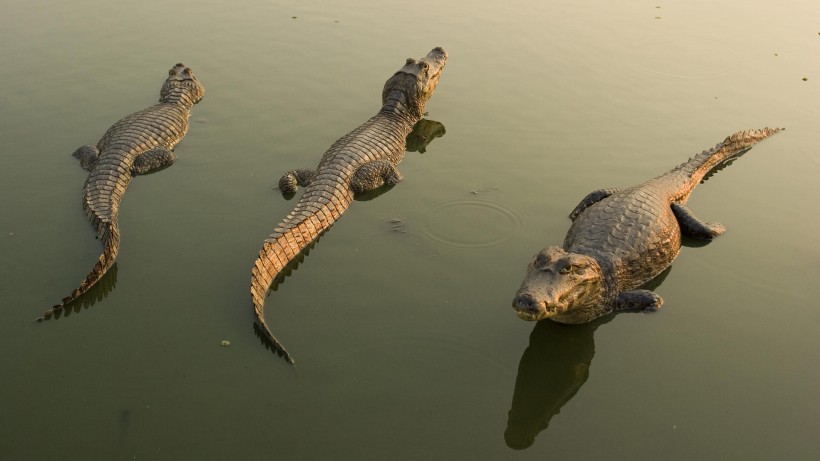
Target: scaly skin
620	239
363	160
139	144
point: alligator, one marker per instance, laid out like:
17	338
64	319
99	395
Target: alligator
139	144
620	239
362	161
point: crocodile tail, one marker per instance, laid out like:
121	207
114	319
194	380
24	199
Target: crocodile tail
699	167
313	215
109	234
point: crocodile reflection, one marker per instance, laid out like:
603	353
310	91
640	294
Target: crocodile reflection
554	366
424	132
552	369
95	294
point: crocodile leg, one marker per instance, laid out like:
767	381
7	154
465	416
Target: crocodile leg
591	199
153	160
638	299
691	226
290	181
373	175
87	155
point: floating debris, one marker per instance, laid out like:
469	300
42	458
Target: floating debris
482	190
397	225
225	342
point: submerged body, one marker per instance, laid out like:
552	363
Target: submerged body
620	239
363	160
140	143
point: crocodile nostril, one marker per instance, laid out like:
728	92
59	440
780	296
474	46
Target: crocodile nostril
525	302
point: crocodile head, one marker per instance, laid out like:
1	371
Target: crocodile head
413	84
181	86
559	285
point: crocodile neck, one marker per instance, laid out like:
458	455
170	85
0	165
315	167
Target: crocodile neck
398	104
180	96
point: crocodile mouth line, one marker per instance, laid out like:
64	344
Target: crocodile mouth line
544	311
531	316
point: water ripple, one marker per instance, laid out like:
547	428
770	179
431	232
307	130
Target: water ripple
471	223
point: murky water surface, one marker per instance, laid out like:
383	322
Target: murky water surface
400	318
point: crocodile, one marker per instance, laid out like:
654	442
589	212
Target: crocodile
620	239
553	368
138	144
362	161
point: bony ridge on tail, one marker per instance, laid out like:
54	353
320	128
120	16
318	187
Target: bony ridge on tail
361	161
620	239
139	144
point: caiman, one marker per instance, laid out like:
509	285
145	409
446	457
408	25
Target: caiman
620	239
553	368
139	144
361	161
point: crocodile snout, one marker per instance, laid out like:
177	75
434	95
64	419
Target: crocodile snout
526	302
437	57
528	307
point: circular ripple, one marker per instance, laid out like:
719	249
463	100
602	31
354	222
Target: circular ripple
690	57
469	223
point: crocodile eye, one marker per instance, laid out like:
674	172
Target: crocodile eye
171	72
567	269
409	61
541	261
424	65
186	71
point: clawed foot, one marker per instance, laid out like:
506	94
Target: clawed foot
643	300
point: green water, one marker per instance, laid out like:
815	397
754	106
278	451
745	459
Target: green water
406	344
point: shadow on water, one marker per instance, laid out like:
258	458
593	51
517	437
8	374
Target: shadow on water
424	132
552	369
691	242
95	294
